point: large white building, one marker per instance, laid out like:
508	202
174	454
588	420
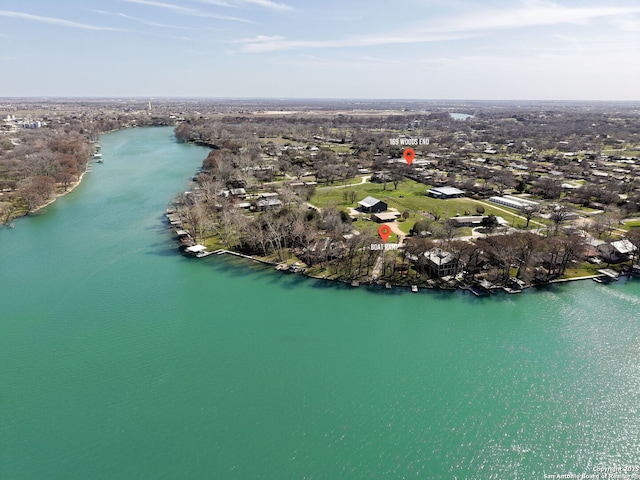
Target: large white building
513	202
445	192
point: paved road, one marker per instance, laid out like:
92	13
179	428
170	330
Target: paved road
395	228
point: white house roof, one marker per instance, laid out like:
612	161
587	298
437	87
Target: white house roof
447	191
438	256
269	202
624	246
386	216
368	202
196	249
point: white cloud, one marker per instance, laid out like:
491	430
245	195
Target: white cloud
152	24
54	21
314	61
262	3
186	11
528	14
269	4
262	43
168	6
219	3
532	14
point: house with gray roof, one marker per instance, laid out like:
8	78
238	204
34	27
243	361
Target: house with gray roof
372	205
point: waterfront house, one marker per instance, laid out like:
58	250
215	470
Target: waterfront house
440	263
616	252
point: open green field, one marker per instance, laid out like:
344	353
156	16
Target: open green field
338	147
411	196
623	152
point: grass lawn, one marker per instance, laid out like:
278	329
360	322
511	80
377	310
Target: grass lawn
411	196
213	243
338	147
583	209
371	228
582	270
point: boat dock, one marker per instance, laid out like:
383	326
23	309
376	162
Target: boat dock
198	251
222	251
606	275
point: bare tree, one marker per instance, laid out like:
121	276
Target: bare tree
528	212
36	191
559	215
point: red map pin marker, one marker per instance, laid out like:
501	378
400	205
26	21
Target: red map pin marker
384	231
409	154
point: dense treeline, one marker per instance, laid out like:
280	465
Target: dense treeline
42	159
37	163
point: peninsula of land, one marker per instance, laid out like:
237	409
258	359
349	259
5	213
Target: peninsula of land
494	196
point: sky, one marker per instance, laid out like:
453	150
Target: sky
418	49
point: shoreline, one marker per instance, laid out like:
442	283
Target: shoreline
463	288
70	189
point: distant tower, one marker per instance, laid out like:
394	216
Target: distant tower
149	105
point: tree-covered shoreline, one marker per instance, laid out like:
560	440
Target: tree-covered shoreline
299	159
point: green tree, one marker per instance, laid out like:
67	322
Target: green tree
490	222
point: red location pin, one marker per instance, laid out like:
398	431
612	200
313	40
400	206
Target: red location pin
384	231
409	155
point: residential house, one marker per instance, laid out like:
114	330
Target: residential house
474	221
440	263
382	217
616	252
268	201
372	205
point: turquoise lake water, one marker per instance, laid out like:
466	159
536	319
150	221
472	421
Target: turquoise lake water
121	359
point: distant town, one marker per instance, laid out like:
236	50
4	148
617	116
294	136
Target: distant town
496	196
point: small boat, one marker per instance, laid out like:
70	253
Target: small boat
387	286
97	155
414	288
